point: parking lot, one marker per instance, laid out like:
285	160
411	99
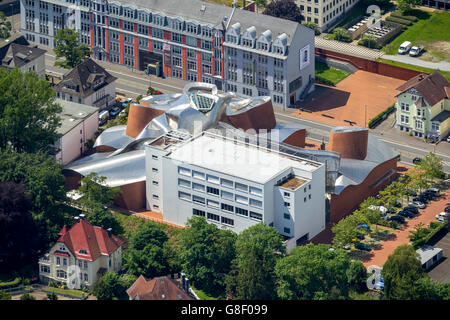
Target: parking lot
441	272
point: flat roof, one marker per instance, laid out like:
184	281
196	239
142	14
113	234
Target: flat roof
441	117
293	183
72	114
239	159
427	252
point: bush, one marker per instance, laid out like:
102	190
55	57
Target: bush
27	296
369	41
377	119
313	26
399	20
52	296
5	295
10	284
324	80
398	14
340	34
390	224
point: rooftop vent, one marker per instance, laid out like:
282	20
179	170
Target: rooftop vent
203	8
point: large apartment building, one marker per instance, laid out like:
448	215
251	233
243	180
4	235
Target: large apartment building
193	40
325	13
235	184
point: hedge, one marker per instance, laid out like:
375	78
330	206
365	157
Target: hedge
397	14
9	284
374	121
399	20
324	81
433	230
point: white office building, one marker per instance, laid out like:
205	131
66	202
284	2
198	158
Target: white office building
235	184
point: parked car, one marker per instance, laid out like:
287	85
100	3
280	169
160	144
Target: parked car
434	191
440	219
404	47
346	247
406	214
447	209
422	198
412	209
103	117
397	205
443	215
362	246
411	193
114	112
415	51
417	204
365	226
360	236
126	102
417	160
428	194
448	139
398	219
382	209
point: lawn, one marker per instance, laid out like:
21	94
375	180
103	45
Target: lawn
446	74
432	32
71	292
329	73
202	295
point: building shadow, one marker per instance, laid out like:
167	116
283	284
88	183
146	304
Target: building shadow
325	98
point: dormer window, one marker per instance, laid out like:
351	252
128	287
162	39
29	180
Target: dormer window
158	20
128	13
231	38
114	10
277	49
262	46
247	43
177	25
83	251
206	32
192	28
144	17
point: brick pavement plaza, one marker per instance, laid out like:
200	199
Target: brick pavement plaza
347	100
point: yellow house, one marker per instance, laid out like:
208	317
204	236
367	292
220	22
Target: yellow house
423	106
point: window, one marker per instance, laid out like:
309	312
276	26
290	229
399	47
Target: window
197	212
212	190
242	212
255	215
287	194
241	187
61	274
198	187
85	265
226	183
45	269
157	33
212	203
287	230
212	179
228	221
64	262
255	203
184	196
198	175
287	204
156	197
191	41
241	199
419	124
255	191
155	183
304	199
198	199
154	157
227	195
176	37
154	170
184	171
212	216
58	261
287	216
86	277
227	207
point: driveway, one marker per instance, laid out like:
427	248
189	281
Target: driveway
443	65
379	256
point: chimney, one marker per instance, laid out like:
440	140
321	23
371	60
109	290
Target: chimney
109	232
183	281
186	285
82	216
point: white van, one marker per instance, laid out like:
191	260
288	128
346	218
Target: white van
103	117
404	47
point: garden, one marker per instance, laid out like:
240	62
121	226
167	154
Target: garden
329	75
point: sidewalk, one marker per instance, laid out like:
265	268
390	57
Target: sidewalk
443	65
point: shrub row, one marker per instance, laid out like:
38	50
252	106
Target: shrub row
399	20
373	122
387	223
432	231
397	14
9	284
323	80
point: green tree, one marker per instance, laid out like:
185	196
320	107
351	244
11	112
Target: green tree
285	9
95	192
404	5
5	26
260	3
206	253
102	217
313	272
52	296
126	281
28	112
357	276
400	271
253	275
146	255
369	41
44	182
312	26
432	166
68	46
418	179
427	289
5	295
340	34
27	296
108	287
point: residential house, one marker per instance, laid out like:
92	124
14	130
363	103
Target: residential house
89	84
160	288
81	255
79	123
423	106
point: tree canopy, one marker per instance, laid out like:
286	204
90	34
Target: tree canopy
67	45
404	5
95	192
285	9
28	112
206	253
5	26
314	272
253	274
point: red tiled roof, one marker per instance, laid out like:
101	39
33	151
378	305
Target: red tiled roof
433	87
161	288
85	236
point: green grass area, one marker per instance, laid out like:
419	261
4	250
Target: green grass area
432	32
333	75
71	292
446	74
202	295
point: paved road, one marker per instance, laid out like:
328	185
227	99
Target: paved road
443	65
